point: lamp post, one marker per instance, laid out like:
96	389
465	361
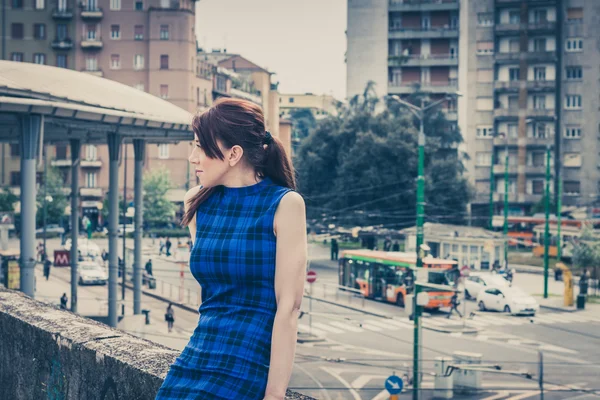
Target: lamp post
546	228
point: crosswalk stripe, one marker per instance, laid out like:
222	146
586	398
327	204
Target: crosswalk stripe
435	322
488	319
371	327
305	328
327	328
348	327
547	318
400	323
474	322
382	324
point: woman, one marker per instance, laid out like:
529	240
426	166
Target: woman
170	317
249	255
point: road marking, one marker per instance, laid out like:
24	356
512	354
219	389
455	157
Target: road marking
383	395
547	318
349	327
497	396
323	390
326	327
401	323
476	323
305	328
456	334
362	380
481	338
383	323
371	327
333	373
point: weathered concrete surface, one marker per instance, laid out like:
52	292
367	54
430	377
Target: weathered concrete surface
46	353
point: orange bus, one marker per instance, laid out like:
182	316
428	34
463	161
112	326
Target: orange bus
389	276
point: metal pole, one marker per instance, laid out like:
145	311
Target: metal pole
138	149
75	165
114	146
506	204
420	187
310	310
30	135
416	345
491	226
547	228
45	150
558	220
124	222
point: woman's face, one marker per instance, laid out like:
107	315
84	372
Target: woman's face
210	171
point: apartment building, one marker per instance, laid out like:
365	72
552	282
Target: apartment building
526	71
320	105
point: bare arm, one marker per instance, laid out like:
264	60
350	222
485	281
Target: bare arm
188	196
290	270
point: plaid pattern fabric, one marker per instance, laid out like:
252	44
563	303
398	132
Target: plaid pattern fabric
233	259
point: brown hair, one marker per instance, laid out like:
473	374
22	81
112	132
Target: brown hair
239	122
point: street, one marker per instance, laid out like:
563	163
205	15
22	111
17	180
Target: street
357	349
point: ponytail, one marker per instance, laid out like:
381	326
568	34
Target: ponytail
278	166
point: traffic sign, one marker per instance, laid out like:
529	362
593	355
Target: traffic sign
394	384
311	276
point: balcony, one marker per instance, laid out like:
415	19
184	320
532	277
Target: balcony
517	3
514	112
423	33
91	164
507	29
507	86
449	86
509	113
542	114
423	5
518	198
92	13
88	43
62	44
451	115
533	56
423	60
61	163
90	192
62	14
542	27
95	72
534	86
499	169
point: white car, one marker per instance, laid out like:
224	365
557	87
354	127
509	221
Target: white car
90	273
86	248
477	282
508	300
129	228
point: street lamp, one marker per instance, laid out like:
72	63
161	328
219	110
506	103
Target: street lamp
420	113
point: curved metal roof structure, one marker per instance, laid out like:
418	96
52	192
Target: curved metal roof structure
75	104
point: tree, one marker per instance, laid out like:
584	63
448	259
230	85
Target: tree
360	167
303	122
540	206
7	200
106	207
56	200
586	251
158	210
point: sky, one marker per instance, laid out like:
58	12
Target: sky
302	41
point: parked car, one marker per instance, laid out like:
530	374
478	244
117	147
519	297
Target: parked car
86	248
129	228
476	282
507	299
51	228
91	273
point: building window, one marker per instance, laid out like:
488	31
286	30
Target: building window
163	151
15	178
39	31
91	153
484	159
572	132
485	132
513	74
537	186
16	57
574	73
425	22
16	31
138	61
539	102
40	4
115	32
538	131
514	17
39	58
115	5
61	61
138	32
139	86
485	48
540	15
572	160
573	101
573	45
513	130
539	73
62	32
90	179
91	31
15	150
91	64
164	91
164	61
221	84
164	4
574	14
539	44
115	61
571	188
139	6
485	19
17	4
164	32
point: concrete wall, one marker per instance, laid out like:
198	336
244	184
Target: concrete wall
47	353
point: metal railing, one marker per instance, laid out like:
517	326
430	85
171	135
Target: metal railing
335	292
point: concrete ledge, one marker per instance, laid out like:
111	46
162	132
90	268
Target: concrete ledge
348	307
55	354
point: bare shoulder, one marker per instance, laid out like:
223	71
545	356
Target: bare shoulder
190	194
291	203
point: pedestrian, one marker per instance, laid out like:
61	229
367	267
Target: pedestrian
161	246
454	302
63	301
251	227
40	251
189	243
168	247
149	267
47	264
387	244
396	246
334	249
170	317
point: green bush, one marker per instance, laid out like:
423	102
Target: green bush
172	233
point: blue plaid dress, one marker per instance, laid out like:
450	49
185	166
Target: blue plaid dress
233	259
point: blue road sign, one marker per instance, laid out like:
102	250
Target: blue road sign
394	384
